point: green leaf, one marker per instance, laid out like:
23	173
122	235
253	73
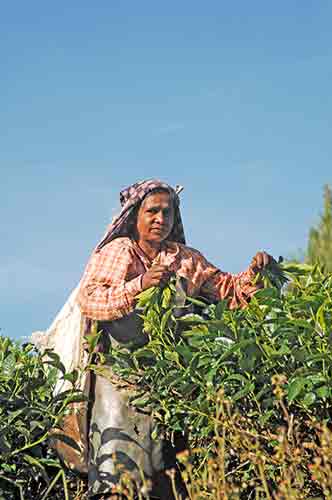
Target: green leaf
249	387
191	318
145	297
323	392
144	353
238	377
294	388
172	356
309	399
9	364
92	339
238	346
320	318
53	359
197	302
165	319
166	298
140	402
71	377
185	352
220	309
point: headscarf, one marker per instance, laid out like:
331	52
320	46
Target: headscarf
130	199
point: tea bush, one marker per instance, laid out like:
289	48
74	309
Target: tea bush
28	411
251	388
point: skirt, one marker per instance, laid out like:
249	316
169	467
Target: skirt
121	438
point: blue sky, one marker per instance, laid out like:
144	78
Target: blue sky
230	99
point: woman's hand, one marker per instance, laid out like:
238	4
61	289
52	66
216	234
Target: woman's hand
157	275
260	260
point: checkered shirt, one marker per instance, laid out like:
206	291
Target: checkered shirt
113	278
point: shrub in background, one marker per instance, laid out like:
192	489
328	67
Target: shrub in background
28	411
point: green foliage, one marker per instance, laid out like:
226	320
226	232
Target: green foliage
28	412
251	388
271	361
320	237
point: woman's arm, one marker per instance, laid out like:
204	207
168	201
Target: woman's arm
237	288
104	294
217	285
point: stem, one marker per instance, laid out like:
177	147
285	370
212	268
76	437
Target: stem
222	460
172	476
65	487
262	476
59	474
237	468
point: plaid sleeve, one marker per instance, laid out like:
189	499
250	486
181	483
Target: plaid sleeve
237	288
105	294
218	285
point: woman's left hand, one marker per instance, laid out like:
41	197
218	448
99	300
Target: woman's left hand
260	260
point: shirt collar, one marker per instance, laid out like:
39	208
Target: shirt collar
167	256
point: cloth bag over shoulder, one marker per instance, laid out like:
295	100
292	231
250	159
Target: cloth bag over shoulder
65	338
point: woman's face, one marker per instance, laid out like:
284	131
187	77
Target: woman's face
155	217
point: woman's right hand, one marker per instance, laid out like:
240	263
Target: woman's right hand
157	275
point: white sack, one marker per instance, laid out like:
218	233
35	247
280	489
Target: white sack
64	338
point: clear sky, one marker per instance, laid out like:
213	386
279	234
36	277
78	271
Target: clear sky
230	99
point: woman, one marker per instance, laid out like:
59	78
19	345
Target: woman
144	245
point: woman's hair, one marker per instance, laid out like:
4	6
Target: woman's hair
155	191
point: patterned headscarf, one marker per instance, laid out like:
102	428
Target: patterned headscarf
130	199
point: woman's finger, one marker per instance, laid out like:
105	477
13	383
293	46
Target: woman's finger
158	272
266	259
259	259
159	267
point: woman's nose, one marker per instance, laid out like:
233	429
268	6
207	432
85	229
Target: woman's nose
160	217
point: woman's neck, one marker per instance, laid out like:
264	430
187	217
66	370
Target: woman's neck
151	249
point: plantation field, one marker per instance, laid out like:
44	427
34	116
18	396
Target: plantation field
249	390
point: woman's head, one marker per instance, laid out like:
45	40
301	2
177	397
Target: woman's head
135	201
